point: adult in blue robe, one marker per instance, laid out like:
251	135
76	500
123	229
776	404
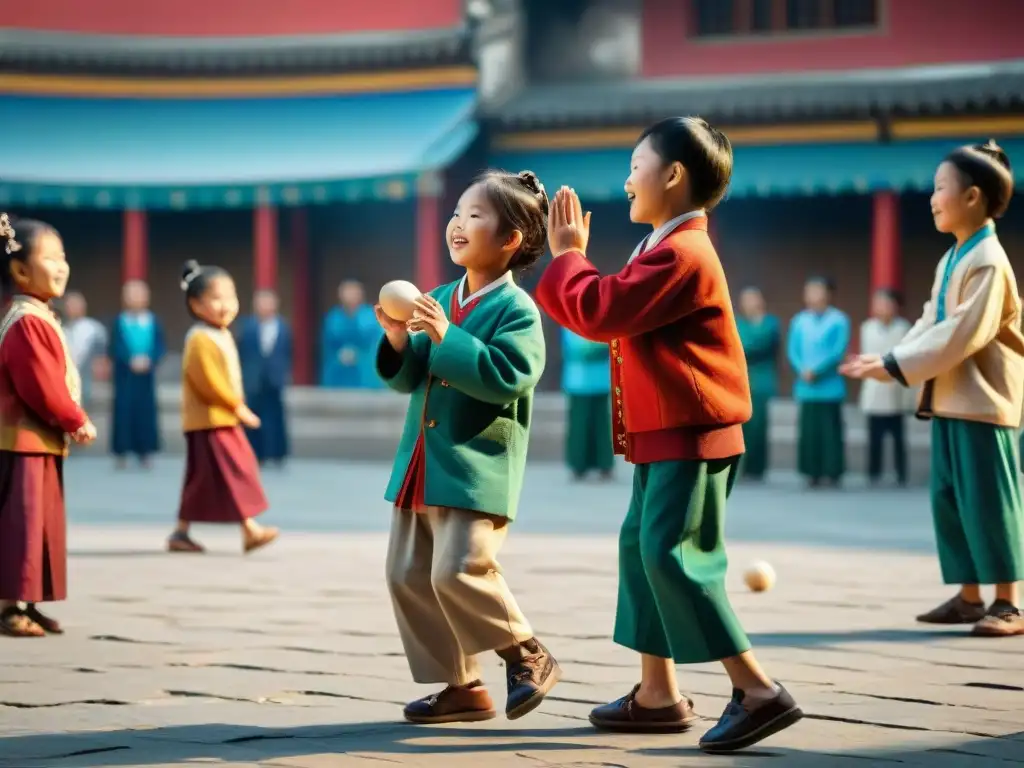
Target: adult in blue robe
136	348
348	342
818	339
265	351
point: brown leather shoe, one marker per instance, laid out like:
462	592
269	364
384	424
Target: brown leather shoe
182	542
956	610
49	625
532	673
1002	620
626	716
452	705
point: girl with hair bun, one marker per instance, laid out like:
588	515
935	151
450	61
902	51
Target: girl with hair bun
968	352
222	476
470	358
40	413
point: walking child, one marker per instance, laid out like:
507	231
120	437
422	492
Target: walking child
40	392
470	357
680	399
968	352
222	476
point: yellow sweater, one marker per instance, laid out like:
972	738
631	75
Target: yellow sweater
211	387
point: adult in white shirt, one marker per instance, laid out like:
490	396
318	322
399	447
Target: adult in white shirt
87	340
885	404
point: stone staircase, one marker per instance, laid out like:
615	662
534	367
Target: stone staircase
365	425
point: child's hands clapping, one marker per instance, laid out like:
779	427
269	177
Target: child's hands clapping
429	317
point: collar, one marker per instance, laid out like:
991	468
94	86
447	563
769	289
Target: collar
665	230
464	300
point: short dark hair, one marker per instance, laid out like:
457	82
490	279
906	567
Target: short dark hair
521	203
21	238
892	294
705	152
825	282
196	279
986	167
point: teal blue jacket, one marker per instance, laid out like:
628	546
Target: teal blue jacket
472	398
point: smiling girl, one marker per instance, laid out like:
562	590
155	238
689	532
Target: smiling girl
222	476
968	351
470	357
40	392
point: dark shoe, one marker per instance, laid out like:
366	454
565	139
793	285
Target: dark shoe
532	673
50	626
1002	620
452	705
14	623
956	610
739	728
625	715
182	542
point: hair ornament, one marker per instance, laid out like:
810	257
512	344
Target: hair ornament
7	231
191	275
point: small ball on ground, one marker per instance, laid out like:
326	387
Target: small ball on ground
396	299
760	576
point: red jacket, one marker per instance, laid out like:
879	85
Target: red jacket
679	376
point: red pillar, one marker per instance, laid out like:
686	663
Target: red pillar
135	253
265	247
886	266
429	236
302	299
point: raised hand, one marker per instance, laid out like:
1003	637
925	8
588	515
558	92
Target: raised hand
568	225
429	317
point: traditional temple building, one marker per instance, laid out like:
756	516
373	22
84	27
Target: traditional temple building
305	143
296	144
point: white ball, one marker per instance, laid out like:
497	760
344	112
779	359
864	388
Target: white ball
397	297
760	576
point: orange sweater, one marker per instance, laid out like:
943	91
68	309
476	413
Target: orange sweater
211	387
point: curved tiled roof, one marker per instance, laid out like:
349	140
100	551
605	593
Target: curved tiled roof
34	51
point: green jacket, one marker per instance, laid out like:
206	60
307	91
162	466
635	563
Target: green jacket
472	398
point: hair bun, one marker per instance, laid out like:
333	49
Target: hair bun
529	180
189	273
7	233
995	152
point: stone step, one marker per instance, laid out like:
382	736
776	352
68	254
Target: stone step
356	424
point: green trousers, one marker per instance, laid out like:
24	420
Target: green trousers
976	502
588	439
820	448
672	563
755	438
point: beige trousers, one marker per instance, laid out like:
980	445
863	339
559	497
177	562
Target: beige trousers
450	599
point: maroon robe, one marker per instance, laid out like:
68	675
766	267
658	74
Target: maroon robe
222	478
34	401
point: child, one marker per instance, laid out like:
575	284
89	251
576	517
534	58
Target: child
39	409
885	404
681	397
222	477
968	351
817	343
470	357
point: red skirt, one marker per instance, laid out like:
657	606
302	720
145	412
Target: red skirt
33	528
222	478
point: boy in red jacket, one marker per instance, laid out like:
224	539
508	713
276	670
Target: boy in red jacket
680	396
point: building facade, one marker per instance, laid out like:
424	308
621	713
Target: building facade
301	145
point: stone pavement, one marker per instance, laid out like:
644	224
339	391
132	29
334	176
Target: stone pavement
290	657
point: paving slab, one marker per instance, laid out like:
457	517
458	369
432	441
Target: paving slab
290	657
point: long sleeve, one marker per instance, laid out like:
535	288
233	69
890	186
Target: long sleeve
205	372
974	324
403	371
838	343
38	372
500	371
793	342
655	289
